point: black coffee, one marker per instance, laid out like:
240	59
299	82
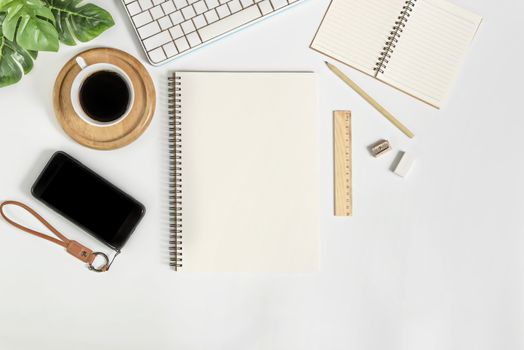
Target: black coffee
104	96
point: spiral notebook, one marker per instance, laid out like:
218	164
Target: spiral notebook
244	172
416	46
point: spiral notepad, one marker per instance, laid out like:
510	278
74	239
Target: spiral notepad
243	163
417	46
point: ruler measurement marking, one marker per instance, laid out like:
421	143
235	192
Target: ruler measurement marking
342	161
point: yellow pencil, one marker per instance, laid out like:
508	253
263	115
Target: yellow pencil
370	100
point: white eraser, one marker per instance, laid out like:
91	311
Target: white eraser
405	164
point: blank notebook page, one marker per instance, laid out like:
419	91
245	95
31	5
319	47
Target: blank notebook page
355	31
431	50
249	178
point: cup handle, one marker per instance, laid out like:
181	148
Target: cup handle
81	62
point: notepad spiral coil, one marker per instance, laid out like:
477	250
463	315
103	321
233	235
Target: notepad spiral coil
175	173
393	37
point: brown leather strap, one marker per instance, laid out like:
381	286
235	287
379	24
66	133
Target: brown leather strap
73	247
63	241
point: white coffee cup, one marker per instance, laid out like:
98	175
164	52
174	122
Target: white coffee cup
85	72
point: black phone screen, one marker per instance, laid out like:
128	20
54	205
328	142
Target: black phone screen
88	200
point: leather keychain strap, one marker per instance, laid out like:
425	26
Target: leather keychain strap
74	248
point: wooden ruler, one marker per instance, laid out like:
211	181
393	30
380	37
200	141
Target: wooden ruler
342	158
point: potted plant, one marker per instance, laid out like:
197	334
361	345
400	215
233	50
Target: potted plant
30	26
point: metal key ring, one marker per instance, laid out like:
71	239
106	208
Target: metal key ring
104	267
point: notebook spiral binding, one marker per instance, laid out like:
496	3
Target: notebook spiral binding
394	35
175	173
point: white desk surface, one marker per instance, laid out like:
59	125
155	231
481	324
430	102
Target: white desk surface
432	261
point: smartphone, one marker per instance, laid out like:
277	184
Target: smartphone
88	200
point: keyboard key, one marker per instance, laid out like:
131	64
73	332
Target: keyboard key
223	11
278	3
157	40
176	17
142	19
199	21
188	12
211	16
134	8
180	3
181	44
168	7
156	12
229	23
188	27
200	7
145	4
170	27
157	55
149	30
234	6
265	7
193	39
176	32
170	49
211	4
165	23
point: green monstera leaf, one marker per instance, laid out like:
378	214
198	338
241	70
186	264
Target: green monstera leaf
30	24
77	21
15	61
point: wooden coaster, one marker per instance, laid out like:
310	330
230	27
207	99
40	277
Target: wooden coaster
122	133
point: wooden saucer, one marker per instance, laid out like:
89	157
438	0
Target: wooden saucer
122	133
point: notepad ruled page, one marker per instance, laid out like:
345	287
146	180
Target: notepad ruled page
355	31
431	50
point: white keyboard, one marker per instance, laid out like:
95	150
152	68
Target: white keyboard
168	28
